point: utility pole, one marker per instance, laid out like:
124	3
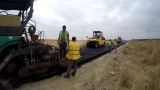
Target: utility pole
148	33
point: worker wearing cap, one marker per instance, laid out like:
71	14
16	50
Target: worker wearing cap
110	44
73	55
63	40
115	45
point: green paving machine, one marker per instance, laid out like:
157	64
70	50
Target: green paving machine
23	52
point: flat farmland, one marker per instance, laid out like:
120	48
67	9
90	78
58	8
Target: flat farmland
54	41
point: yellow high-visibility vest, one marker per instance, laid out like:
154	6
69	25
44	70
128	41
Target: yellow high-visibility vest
115	42
109	43
74	49
66	33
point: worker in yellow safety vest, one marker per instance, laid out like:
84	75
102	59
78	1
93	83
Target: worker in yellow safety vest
110	44
63	40
73	55
115	45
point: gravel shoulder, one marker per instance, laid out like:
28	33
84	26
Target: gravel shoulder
102	73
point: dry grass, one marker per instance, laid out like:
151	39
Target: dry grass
144	59
126	77
151	50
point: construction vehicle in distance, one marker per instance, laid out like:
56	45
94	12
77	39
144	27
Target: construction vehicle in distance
97	40
119	40
19	55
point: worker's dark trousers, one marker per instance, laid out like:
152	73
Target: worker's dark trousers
115	49
110	49
72	63
63	46
63	52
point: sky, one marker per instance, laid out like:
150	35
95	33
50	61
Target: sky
129	19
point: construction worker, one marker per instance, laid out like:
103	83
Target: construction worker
115	45
110	44
63	40
97	35
73	54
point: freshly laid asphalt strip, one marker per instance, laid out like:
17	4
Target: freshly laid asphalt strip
88	54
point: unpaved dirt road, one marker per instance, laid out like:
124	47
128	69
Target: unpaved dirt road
100	74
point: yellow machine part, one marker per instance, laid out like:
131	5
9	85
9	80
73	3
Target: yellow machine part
91	39
6	20
100	41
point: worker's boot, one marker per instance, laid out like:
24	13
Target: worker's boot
67	76
65	58
73	74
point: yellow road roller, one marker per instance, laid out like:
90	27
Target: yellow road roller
97	40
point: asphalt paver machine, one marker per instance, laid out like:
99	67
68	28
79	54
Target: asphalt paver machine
22	52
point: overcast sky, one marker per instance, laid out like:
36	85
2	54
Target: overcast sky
125	18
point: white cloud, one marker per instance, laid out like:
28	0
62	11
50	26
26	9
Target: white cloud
124	18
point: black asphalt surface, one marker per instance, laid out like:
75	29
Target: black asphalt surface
88	54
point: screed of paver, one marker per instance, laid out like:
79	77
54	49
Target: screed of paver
99	74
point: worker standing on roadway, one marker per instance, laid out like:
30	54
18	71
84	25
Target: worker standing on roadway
115	45
110	44
63	40
73	55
